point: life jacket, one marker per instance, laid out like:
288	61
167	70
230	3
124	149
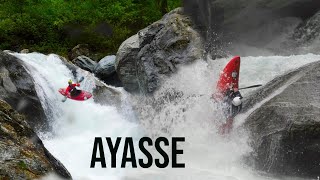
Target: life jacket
71	87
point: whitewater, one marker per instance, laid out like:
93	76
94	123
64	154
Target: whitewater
195	117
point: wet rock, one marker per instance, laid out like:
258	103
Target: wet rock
307	35
79	50
106	95
105	70
24	51
23	155
245	24
285	128
6	81
18	89
8	51
85	63
105	67
73	68
144	59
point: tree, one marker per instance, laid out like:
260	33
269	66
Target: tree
163	6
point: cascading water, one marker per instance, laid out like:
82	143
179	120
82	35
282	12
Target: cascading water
181	107
75	124
192	114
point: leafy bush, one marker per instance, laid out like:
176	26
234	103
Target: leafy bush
56	26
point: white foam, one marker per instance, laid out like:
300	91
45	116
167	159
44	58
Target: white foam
195	117
75	124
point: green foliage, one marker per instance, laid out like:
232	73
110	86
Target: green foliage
22	165
56	26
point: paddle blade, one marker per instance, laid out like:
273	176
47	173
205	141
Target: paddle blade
81	79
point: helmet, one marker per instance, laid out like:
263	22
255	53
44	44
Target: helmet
70	81
236	101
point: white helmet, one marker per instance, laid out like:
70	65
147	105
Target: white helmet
236	101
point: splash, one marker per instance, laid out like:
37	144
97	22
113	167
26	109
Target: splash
181	107
75	124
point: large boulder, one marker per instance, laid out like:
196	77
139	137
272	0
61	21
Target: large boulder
105	70
105	67
126	63
23	155
18	89
85	63
285	124
144	58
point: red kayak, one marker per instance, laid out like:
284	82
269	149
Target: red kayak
228	78
84	95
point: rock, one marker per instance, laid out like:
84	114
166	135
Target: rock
126	62
73	68
106	95
8	51
6	81
105	70
18	89
23	155
144	58
285	128
105	67
84	63
113	80
207	19
79	50
234	23
307	34
24	51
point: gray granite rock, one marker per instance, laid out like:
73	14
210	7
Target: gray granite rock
157	50
285	124
23	155
85	63
18	89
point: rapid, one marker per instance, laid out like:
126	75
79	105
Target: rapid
193	115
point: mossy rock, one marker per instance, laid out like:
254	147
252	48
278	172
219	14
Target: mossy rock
23	153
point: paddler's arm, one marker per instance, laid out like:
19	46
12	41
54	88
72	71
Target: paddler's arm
238	94
68	89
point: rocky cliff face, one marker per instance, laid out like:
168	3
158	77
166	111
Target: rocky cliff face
143	59
18	89
285	128
23	155
236	25
307	35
